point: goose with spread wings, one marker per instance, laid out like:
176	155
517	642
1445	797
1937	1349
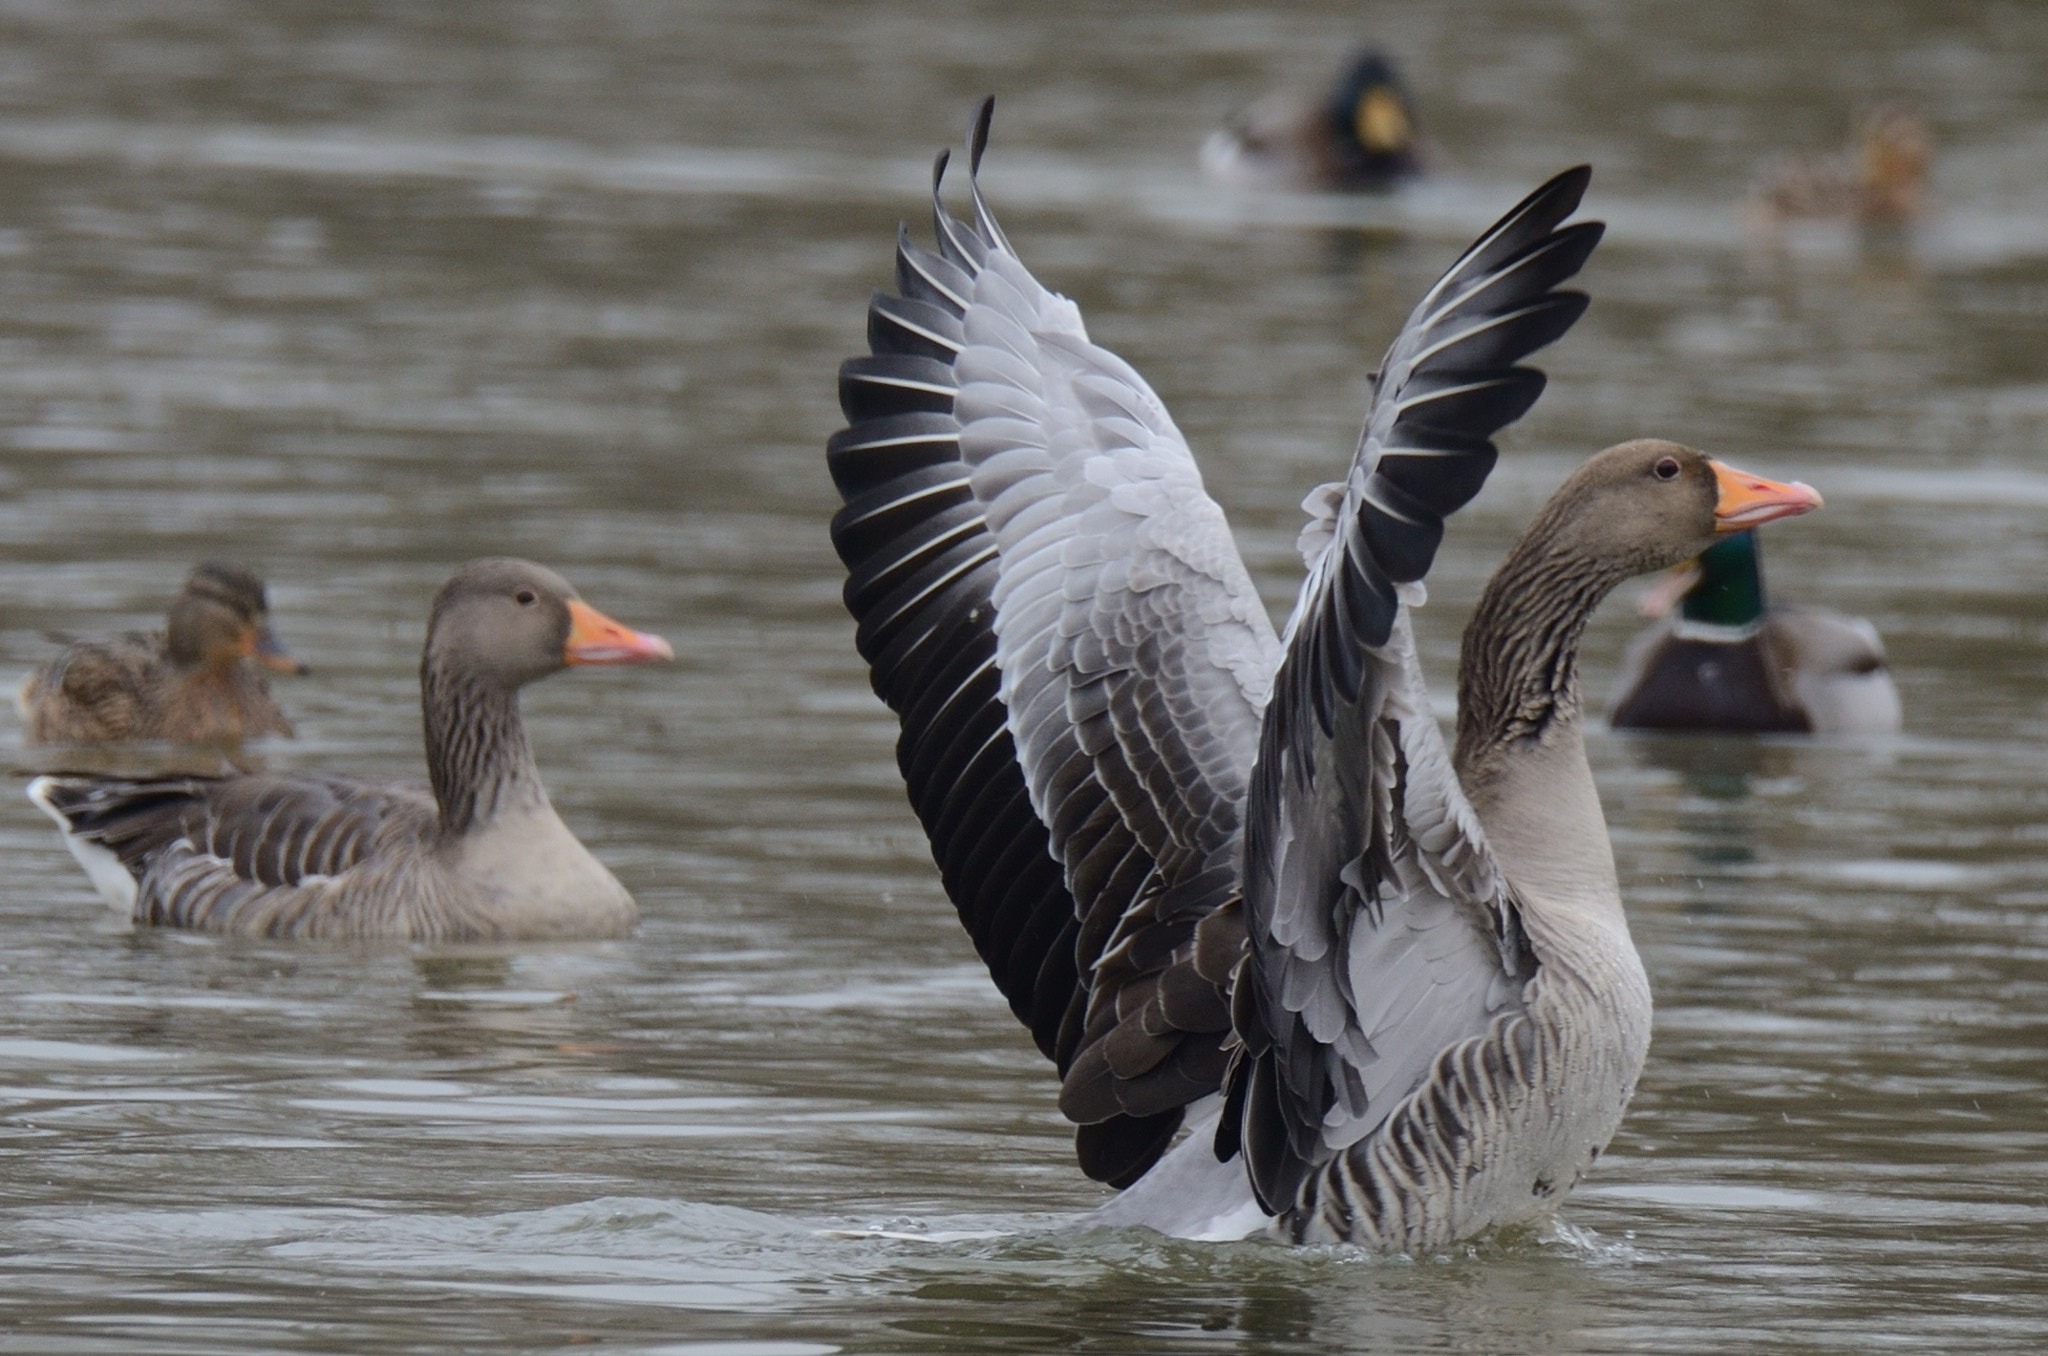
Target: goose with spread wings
1234	881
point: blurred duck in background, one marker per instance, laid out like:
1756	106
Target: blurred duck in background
1721	658
201	680
1361	137
1878	182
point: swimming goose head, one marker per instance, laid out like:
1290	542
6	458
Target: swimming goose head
222	615
497	625
504	623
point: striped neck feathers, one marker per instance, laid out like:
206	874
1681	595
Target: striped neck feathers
1518	670
477	755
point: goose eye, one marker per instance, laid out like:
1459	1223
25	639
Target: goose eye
525	597
1666	468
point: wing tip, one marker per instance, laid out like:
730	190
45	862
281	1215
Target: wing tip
977	141
1555	198
1573	180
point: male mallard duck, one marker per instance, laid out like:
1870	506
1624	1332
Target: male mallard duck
478	854
1361	136
1729	661
195	682
1879	182
1202	859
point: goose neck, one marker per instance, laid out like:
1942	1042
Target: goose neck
477	755
1521	754
1518	672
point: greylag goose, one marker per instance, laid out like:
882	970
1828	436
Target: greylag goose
195	682
477	854
1726	659
1199	858
1360	137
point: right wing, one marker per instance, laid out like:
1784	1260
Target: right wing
1383	938
1054	607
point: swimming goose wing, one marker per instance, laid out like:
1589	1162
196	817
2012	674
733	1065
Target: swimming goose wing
1054	607
1381	933
264	854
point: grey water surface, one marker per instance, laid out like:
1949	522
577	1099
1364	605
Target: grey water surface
353	292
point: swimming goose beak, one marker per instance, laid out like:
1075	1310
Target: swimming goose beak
271	653
1747	500
596	639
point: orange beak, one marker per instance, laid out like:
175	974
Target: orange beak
596	639
271	653
1747	500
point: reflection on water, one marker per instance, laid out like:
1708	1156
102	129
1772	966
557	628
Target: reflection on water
1707	799
355	295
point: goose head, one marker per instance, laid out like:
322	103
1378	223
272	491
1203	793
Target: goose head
221	616
1648	505
1634	509
504	623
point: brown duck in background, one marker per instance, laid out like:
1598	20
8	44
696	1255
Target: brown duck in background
477	854
1879	182
198	681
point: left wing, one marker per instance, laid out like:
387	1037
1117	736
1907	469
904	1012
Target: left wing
1054	607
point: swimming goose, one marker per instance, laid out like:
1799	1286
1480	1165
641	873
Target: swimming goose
1360	137
195	682
1730	661
1200	858
478	854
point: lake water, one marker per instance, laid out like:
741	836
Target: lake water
355	292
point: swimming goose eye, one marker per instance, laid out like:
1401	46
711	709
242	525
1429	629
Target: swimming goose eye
525	597
1666	468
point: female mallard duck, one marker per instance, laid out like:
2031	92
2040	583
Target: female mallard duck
1879	182
477	854
1361	136
1200	858
1729	661
195	682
